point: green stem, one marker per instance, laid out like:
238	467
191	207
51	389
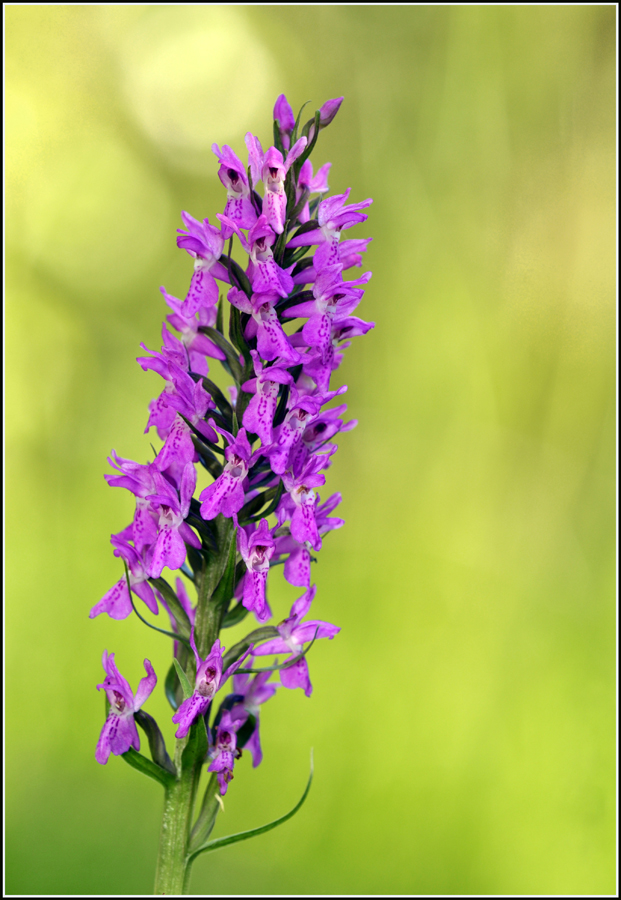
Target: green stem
172	871
174	858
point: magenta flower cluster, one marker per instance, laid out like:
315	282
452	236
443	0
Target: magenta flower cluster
278	322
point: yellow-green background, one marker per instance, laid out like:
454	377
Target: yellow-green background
463	720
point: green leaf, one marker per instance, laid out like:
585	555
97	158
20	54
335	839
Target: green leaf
294	133
221	402
226	586
253	832
236	335
220	315
231	356
277	138
172	686
284	665
272	506
181	617
245	732
157	745
266	633
183	678
309	147
235	616
196	746
142	764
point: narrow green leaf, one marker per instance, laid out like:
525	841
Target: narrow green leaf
284	665
221	402
157	744
231	356
272	506
172	687
226	587
309	147
220	315
142	764
253	832
235	616
294	133
181	617
266	633
196	746
183	678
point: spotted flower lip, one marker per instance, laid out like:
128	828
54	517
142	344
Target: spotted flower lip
209	680
119	732
256	547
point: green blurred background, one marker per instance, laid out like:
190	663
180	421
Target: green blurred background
463	721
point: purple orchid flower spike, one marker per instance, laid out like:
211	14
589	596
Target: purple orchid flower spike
116	602
205	243
209	680
169	550
224	752
256	547
239	207
226	494
272	342
254	692
273	173
283	114
293	635
119	732
259	414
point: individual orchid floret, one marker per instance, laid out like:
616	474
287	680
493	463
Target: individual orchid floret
297	569
253	692
349	254
139	479
226	494
313	184
293	635
116	602
264	273
334	216
273	173
259	414
209	679
239	206
321	363
224	752
334	299
272	342
256	547
172	509
205	243
327	114
119	732
197	345
299	484
283	114
302	408
184	395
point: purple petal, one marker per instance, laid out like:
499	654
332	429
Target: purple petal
297	676
115	602
189	710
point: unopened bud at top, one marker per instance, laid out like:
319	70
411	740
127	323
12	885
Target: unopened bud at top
328	111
